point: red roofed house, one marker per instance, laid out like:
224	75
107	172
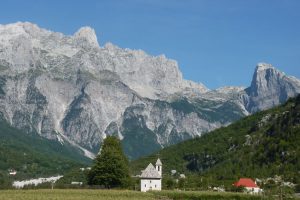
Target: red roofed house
248	184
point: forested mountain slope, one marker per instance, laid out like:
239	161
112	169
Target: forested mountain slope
259	146
34	156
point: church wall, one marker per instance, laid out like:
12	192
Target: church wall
150	184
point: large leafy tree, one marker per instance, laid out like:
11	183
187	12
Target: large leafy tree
111	167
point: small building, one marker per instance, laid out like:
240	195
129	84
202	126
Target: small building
151	177
182	176
173	172
76	183
249	185
12	172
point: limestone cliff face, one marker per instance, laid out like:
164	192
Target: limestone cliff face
70	88
269	88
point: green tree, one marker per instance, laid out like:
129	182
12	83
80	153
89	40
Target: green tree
110	167
170	183
181	183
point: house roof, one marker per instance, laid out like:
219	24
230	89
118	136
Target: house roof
245	182
158	162
150	172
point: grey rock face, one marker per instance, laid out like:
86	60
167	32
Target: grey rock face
70	88
269	88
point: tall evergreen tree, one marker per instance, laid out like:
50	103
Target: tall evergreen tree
111	167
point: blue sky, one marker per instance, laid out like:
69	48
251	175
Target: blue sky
216	42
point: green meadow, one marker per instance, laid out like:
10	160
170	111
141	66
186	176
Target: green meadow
62	194
87	194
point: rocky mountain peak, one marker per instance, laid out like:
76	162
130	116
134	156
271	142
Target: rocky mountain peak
263	66
88	34
265	76
270	87
21	28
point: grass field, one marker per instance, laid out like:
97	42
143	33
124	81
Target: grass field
74	195
194	195
68	194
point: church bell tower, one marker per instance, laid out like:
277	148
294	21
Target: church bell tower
158	166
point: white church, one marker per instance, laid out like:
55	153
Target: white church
151	177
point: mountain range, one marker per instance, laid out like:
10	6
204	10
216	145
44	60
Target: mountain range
70	89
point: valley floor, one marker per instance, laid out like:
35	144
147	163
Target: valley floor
76	194
68	194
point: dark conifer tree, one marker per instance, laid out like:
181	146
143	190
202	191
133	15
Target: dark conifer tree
111	167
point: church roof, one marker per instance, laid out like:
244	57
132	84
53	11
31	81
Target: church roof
158	162
150	172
